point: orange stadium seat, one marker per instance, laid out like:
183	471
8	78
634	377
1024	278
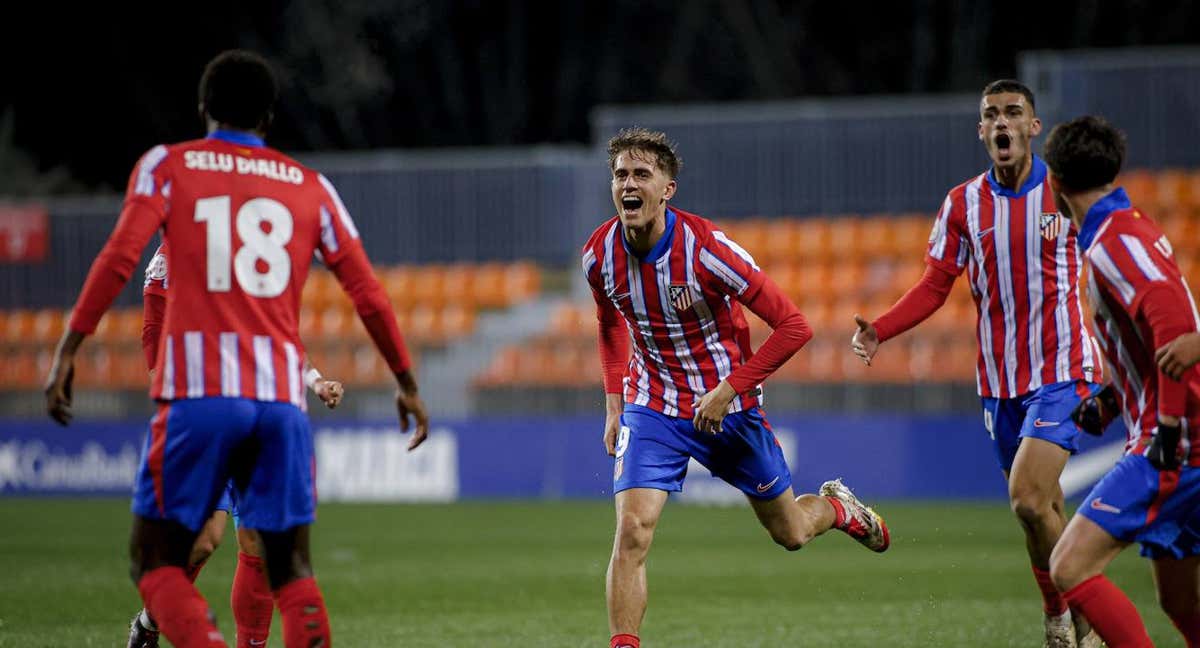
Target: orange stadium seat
428	286
458	284
487	289
21	371
910	237
813	281
48	325
875	237
812	239
457	321
18	325
398	282
1140	185
752	235
522	280
424	323
782	241
845	233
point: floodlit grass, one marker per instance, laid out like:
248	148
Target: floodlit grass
532	574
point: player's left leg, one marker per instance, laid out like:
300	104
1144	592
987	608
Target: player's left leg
275	488
1077	566
1177	581
143	631
1045	441
747	455
251	597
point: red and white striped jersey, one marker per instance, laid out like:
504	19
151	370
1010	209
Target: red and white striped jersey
243	222
682	308
1022	260
1140	301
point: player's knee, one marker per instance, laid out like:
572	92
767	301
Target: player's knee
1064	571
1030	503
790	540
634	534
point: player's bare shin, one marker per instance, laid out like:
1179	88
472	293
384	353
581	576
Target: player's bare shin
638	510
1036	497
794	521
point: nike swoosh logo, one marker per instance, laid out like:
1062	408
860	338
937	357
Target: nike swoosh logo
762	488
1101	506
258	642
1041	423
984	233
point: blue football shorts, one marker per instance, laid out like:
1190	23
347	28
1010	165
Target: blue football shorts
1135	502
653	451
1044	413
198	449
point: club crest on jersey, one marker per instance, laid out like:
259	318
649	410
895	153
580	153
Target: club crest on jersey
681	296
1051	225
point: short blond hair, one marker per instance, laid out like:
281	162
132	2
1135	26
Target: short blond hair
649	141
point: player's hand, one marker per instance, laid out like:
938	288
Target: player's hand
329	391
713	407
865	342
1163	452
408	402
1179	355
612	427
1094	413
62	375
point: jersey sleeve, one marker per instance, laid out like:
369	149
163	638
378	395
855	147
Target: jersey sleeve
150	183
949	243
612	340
156	273
338	232
728	268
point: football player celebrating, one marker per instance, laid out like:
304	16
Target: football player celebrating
1036	359
675	284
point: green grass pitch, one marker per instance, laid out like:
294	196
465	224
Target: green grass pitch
532	574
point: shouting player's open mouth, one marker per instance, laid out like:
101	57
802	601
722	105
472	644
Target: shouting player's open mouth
630	205
1003	146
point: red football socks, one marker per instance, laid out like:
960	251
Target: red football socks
1190	629
839	513
1110	612
252	602
625	641
1053	603
305	621
178	609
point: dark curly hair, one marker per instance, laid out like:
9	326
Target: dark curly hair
239	89
1001	86
1085	153
644	139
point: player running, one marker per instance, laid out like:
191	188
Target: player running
250	599
1140	302
243	222
1036	359
675	284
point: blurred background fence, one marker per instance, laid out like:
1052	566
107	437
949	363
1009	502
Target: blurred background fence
479	253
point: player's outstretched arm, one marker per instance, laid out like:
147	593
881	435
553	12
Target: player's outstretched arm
409	403
921	301
1179	355
329	391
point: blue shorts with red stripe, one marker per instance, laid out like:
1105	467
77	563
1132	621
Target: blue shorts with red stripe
196	449
1044	413
1135	502
653	451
